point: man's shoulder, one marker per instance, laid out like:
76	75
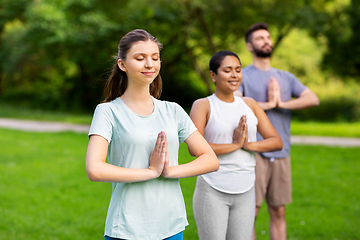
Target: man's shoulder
283	73
247	72
248	68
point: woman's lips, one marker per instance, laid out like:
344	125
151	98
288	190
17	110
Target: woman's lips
233	82
148	73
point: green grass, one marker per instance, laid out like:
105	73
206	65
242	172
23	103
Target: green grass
325	195
340	129
19	112
45	193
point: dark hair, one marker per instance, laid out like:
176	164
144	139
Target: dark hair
117	82
217	58
253	28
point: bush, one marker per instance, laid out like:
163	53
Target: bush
340	109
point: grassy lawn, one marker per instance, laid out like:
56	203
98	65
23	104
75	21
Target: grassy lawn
45	193
325	195
19	112
340	129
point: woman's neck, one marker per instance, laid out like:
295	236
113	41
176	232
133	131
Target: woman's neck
225	97
139	100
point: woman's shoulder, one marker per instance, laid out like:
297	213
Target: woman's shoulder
108	107
200	106
168	107
165	103
250	102
103	106
201	102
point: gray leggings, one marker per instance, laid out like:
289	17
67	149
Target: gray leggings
221	216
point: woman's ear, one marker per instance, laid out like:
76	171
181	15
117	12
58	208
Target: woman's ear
121	65
212	76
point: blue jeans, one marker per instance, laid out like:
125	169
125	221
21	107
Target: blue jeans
178	236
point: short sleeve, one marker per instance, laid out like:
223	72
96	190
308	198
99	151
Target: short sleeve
102	122
185	125
297	87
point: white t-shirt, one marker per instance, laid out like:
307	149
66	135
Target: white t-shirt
153	209
237	169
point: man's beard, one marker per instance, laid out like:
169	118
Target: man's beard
261	53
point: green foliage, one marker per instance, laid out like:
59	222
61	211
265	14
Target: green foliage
344	108
302	56
56	53
45	193
342	32
64	50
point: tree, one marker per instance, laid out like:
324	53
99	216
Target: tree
56	51
65	46
10	10
342	33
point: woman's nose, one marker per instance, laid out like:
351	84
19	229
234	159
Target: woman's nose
148	63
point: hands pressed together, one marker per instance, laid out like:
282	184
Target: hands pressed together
240	136
159	157
274	96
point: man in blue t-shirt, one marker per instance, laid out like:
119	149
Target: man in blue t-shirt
277	92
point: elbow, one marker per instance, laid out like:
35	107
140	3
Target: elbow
216	164
316	102
93	175
212	163
276	145
279	144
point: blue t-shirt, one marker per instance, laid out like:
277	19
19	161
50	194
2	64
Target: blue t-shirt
255	83
152	209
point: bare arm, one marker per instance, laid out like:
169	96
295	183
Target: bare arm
272	140
306	99
99	170
199	114
206	160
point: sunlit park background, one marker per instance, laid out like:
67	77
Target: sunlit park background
55	56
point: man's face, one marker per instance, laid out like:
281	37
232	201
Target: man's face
261	43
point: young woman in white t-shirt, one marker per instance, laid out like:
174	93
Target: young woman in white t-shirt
224	201
140	136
